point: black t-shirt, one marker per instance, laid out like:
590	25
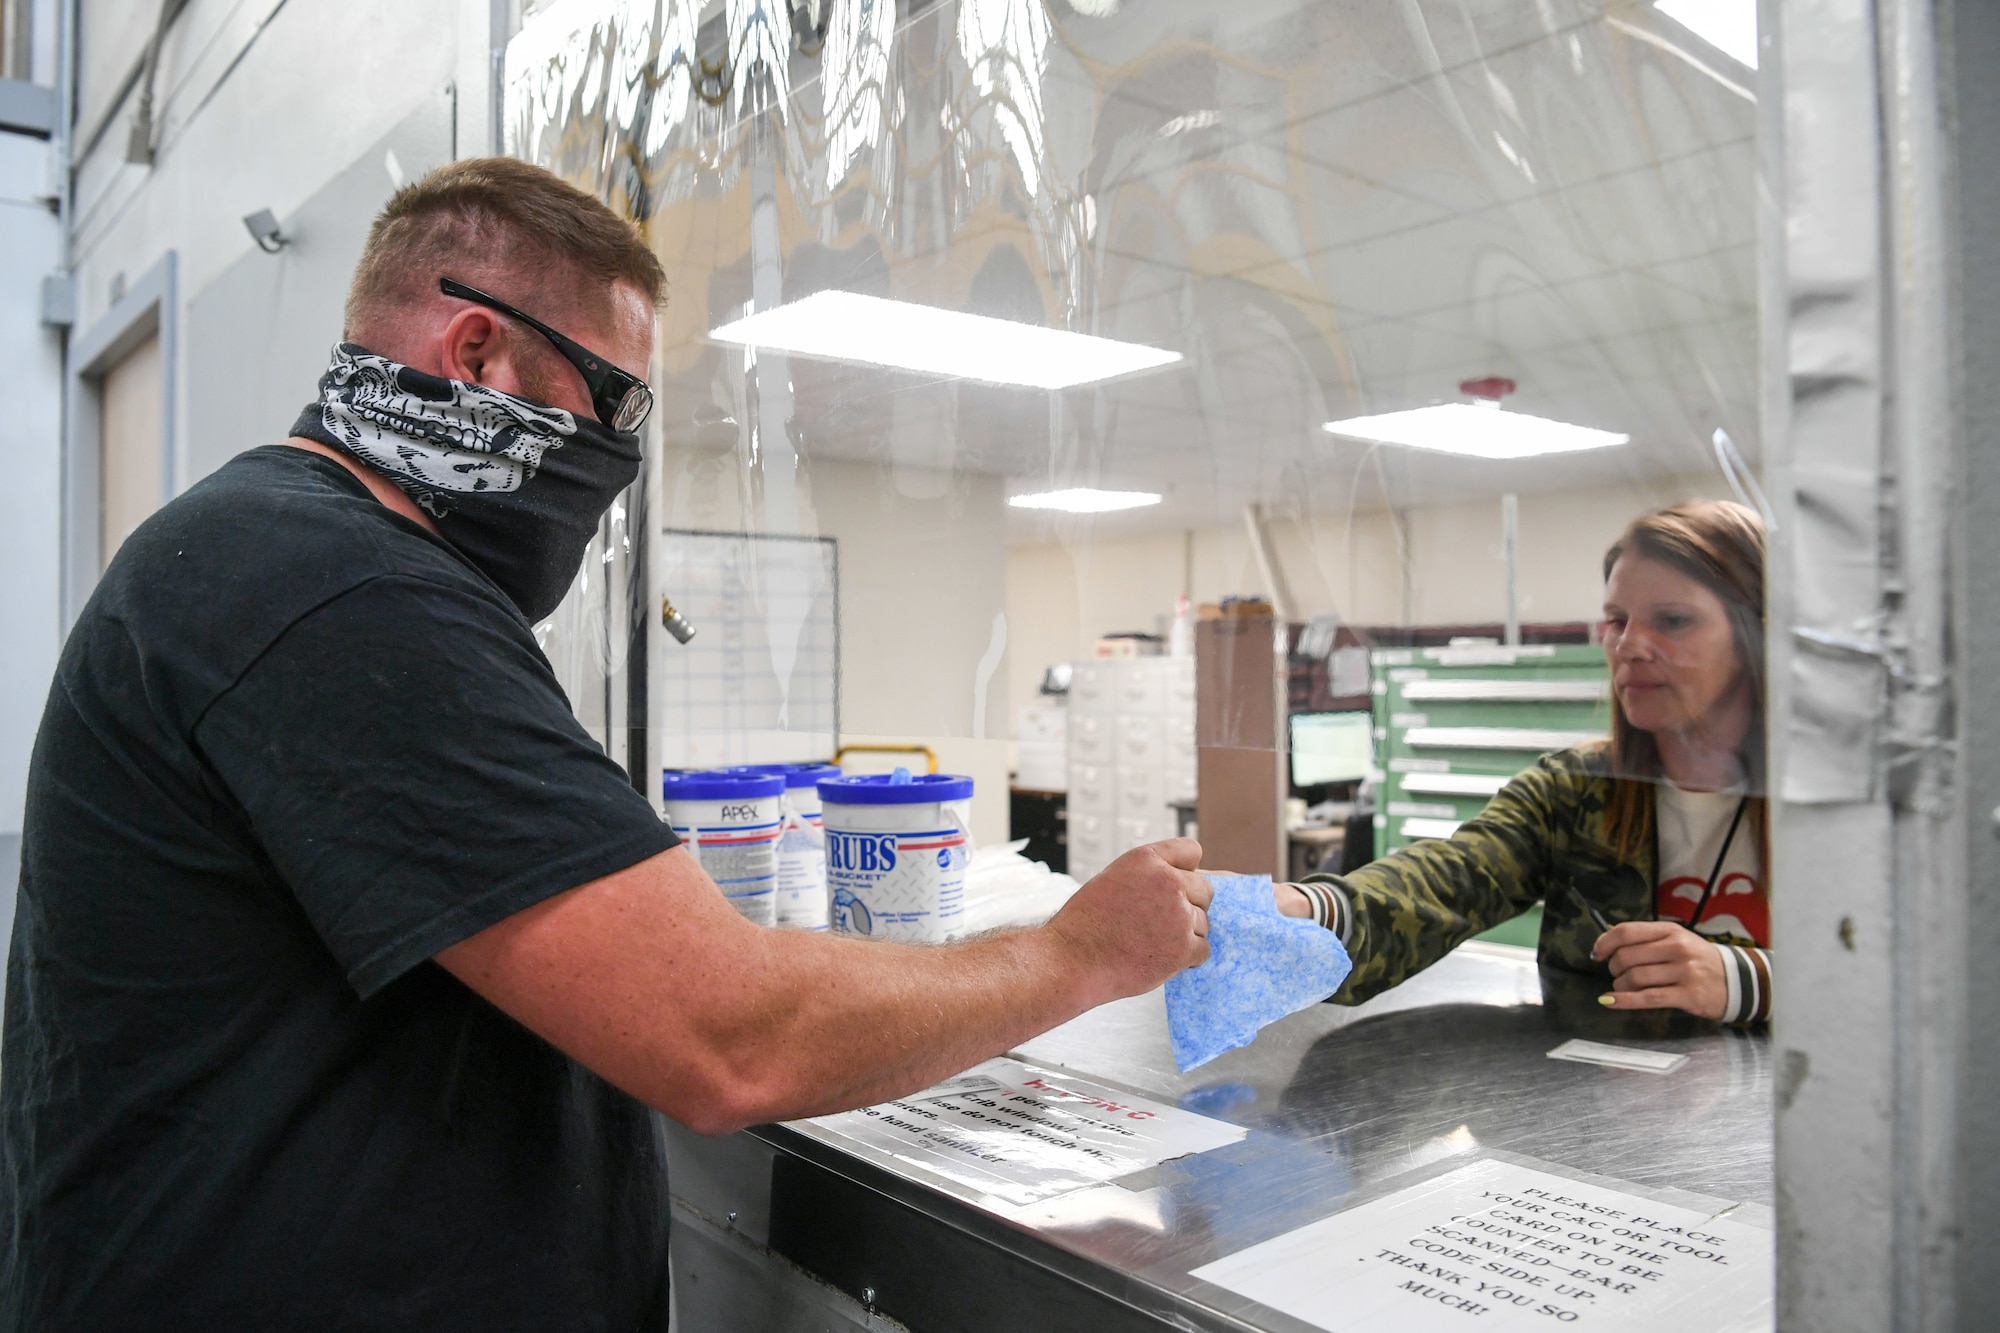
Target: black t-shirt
296	746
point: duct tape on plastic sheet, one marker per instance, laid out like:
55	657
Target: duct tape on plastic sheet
1837	668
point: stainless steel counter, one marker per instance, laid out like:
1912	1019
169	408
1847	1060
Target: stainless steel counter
1336	1102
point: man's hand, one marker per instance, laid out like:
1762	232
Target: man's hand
1142	918
1662	965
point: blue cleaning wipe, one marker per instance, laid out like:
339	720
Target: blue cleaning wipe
1261	967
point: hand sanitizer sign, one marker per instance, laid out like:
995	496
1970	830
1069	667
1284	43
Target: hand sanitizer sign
897	847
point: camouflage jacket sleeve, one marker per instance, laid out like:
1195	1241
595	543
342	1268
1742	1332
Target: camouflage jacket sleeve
1412	907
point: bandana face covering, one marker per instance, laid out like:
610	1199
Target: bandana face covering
515	486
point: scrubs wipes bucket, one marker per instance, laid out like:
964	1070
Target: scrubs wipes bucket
730	821
802	897
896	853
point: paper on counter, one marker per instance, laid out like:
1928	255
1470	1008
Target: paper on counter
1262	966
1015	1133
1618	1057
1500	1245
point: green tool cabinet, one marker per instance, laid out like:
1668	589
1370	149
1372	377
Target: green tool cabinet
1453	724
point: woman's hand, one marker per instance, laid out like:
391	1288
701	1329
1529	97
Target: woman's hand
1291	901
1662	965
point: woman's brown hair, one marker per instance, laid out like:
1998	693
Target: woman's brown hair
1720	545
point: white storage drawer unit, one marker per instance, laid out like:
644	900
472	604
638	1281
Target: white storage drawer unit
1131	751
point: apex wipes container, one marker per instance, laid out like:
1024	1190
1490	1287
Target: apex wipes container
802	894
731	822
896	854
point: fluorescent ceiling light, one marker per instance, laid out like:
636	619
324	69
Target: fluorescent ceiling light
1479	430
1085	500
1730	26
845	326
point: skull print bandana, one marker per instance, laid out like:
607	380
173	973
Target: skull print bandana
517	487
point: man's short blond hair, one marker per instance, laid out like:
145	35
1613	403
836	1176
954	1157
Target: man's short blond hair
513	229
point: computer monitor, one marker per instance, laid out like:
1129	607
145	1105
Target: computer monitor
1331	747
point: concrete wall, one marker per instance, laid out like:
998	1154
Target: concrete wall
1062	595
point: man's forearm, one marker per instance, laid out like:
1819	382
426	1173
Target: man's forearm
854	1022
650	978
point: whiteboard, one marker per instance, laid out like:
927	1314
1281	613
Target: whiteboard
760	682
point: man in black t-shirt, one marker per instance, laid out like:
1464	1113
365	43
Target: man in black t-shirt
345	965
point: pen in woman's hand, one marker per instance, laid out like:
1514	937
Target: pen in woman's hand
1608	999
1596	916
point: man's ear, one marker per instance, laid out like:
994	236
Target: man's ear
473	348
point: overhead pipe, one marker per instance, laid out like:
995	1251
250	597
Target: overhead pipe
145	139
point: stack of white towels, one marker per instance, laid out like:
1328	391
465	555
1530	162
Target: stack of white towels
1005	888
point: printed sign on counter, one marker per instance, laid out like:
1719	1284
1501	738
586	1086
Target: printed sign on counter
1008	1133
1499	1245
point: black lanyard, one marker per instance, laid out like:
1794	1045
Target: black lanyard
1721	856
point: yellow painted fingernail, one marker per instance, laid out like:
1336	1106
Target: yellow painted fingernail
1608	1000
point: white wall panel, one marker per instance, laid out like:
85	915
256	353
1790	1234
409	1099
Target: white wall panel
259	334
31	461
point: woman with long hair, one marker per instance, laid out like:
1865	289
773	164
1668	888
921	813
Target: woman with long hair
1650	851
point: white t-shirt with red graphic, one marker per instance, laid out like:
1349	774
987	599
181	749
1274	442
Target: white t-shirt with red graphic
1692	826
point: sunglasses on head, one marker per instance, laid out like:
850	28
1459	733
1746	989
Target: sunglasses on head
621	401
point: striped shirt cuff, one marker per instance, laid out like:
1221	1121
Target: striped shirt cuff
1330	907
1747	972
